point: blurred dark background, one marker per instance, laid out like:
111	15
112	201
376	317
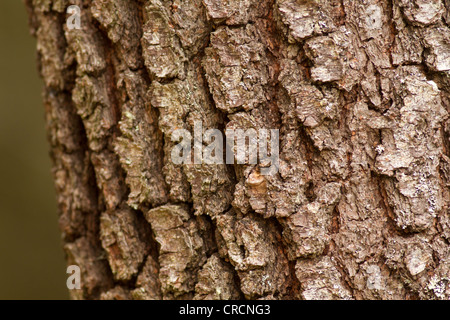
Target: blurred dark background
31	258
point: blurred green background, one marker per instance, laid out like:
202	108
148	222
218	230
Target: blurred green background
31	258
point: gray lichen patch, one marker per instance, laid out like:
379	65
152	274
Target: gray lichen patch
414	260
109	178
148	286
423	12
86	47
325	56
50	39
173	104
307	231
437	41
162	52
138	147
120	18
252	249
321	280
122	242
116	293
236	12
408	47
307	18
216	281
411	256
236	68
192	25
91	99
377	282
182	250
182	103
411	151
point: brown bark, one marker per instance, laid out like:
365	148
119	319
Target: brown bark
360	93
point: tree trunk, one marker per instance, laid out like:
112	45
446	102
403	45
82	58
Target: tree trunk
359	90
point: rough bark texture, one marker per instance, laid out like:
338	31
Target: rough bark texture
360	91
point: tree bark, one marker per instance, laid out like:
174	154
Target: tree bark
359	90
